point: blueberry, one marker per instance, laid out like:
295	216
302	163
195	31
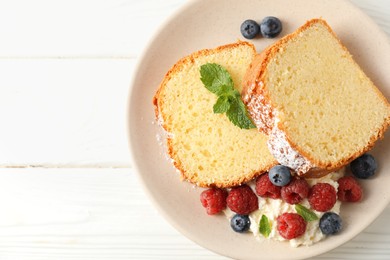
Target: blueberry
279	175
270	27
364	166
240	223
330	223
250	29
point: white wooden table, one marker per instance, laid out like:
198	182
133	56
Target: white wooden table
67	189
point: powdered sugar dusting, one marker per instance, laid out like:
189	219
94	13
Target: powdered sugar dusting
265	117
160	122
259	109
281	149
161	136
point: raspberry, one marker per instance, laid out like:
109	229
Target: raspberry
214	200
265	188
291	225
295	191
242	200
322	197
349	189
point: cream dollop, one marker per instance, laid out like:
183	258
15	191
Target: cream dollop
273	208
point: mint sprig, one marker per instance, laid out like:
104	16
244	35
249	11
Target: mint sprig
222	105
218	81
305	213
264	226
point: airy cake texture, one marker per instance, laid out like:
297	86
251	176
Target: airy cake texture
205	147
319	108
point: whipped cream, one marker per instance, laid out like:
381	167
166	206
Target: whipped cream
273	208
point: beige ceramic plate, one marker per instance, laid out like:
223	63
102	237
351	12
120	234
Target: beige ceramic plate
207	24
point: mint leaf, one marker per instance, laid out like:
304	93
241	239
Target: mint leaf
225	90
215	78
218	81
305	213
222	105
264	226
238	116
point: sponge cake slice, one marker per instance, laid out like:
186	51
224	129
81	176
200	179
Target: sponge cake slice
205	147
319	108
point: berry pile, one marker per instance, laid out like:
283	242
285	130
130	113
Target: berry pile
280	184
322	197
214	200
240	223
242	200
295	191
270	27
291	225
330	223
349	189
265	188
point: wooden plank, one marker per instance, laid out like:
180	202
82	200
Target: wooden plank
88	28
99	28
105	214
84	214
58	112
